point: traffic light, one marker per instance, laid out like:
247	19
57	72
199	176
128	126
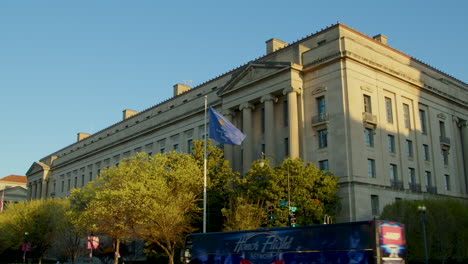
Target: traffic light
292	219
271	209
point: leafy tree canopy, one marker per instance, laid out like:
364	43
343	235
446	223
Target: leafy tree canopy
311	191
149	197
446	228
38	222
219	177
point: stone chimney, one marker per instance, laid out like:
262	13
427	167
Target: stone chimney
381	38
273	45
127	113
82	136
181	88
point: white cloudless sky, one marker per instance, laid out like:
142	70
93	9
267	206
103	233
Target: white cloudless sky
74	66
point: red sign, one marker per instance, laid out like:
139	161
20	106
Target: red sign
26	246
392	235
93	242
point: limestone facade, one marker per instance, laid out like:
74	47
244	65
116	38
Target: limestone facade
390	126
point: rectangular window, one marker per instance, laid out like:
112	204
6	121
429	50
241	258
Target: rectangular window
411	176
82	180
107	162
323	165
286	147
90	172
393	172
391	143
409	148
190	146
375	204
422	119
428	178
68	184
369	133
389	109
149	149
76	183
116	160
406	115
447	182
62	188
321	109
442	129
367	104
323	138
445	157
371	168
426	154
176	147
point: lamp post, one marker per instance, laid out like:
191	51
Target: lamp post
26	246
422	213
262	163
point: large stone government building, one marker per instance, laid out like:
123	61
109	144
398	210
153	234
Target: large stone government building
390	126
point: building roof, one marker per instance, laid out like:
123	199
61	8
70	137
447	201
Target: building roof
15	178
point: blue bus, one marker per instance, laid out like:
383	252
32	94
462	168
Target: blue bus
368	242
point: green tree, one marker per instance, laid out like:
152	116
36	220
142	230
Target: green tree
446	229
312	191
149	197
103	206
219	176
38	222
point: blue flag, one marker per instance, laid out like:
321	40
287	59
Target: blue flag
224	131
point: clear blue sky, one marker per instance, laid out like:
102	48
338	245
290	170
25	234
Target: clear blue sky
73	66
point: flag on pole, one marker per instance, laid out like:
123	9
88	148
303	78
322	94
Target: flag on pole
93	242
224	131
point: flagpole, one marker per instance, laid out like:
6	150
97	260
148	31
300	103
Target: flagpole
204	171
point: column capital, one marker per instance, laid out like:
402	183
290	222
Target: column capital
246	106
460	122
228	113
268	97
292	90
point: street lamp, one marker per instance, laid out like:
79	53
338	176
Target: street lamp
26	246
422	213
262	164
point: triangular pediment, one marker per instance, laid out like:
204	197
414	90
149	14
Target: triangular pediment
37	167
254	72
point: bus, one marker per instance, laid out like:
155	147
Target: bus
367	242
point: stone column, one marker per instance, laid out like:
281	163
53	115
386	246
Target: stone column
34	191
268	101
229	149
30	191
292	93
39	189
248	144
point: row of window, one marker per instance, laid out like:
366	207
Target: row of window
77	178
371	173
406	115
